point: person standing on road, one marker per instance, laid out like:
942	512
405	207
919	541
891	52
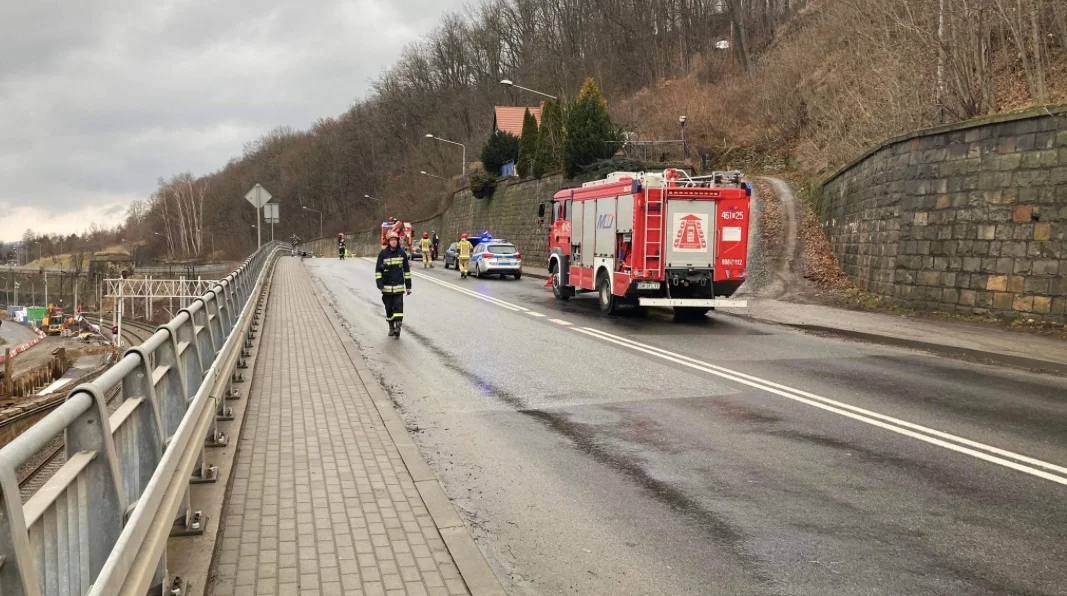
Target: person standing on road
464	251
436	243
341	247
393	276
427	250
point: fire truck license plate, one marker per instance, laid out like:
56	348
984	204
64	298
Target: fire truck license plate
648	285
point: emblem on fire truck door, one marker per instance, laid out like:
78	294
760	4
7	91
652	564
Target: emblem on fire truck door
689	232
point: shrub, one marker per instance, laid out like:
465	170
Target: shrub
501	148
483	185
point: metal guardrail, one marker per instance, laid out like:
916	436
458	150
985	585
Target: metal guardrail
100	525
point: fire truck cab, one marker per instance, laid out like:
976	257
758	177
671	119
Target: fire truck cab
652	239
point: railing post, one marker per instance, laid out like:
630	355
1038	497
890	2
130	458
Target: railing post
172	392
18	574
148	440
190	355
92	432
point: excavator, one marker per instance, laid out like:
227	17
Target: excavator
54	322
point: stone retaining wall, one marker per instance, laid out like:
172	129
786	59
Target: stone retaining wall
967	219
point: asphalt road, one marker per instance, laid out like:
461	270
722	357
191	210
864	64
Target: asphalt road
628	455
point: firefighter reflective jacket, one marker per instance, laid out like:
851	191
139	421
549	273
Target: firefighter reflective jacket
427	246
464	249
393	274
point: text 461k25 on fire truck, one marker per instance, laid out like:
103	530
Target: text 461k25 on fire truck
652	239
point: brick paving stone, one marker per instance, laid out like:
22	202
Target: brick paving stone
321	502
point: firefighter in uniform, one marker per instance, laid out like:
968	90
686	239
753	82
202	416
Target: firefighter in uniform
464	251
341	248
427	250
393	276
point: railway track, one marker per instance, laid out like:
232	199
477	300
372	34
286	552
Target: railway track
38	469
35	472
135	333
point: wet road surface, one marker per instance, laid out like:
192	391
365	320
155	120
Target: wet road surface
627	455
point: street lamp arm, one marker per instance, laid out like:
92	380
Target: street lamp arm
511	83
463	165
535	91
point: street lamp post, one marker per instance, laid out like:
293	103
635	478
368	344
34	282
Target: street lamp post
425	173
685	150
463	165
320	218
509	83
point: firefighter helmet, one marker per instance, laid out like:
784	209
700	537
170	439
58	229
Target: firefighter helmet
392	236
464	236
341	235
425	234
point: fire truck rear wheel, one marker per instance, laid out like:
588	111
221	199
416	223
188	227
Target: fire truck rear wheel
608	302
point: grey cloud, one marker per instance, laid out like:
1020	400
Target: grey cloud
98	98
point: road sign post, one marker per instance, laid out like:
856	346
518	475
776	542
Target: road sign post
259	197
271	216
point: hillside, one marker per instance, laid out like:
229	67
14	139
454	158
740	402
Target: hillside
802	86
842	76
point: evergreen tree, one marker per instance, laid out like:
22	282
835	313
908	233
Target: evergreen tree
501	148
549	139
527	146
591	136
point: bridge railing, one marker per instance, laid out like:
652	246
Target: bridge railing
100	524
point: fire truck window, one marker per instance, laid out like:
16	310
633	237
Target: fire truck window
567	210
555	211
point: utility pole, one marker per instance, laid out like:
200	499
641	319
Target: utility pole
46	289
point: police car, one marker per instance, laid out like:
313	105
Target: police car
499	257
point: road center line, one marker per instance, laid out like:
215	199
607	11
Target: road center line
472	293
934	437
534	314
948	441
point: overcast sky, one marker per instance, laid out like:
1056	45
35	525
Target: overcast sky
98	98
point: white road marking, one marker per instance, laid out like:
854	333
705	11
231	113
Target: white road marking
915	431
948	441
534	314
472	293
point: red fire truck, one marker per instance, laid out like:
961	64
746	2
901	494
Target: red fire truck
652	239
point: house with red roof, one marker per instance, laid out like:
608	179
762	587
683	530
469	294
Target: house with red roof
509	118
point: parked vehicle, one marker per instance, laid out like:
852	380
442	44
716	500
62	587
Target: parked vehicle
496	257
651	239
451	257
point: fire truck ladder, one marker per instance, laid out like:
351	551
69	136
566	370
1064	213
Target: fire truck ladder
653	241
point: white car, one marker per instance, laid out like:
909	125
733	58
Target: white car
498	257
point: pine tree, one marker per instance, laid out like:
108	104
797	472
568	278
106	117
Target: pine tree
591	135
527	146
549	139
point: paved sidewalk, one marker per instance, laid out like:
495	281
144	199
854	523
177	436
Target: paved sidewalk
321	501
967	339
